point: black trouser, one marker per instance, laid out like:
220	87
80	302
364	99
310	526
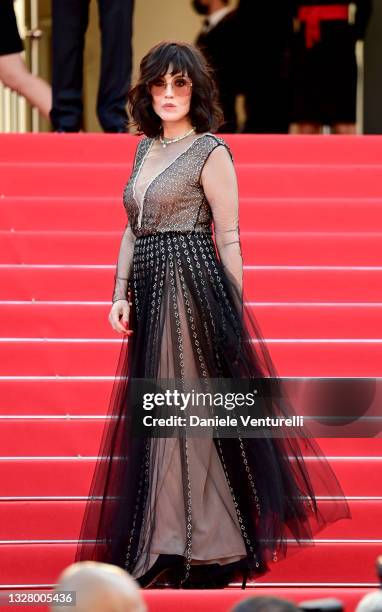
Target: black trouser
267	98
267	108
70	21
228	103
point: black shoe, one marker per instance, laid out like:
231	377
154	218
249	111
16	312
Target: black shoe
220	576
209	576
160	567
245	577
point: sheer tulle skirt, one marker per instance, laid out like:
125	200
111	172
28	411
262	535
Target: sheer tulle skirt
211	499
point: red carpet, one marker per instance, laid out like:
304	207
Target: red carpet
311	229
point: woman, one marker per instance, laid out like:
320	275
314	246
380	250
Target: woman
13	71
196	511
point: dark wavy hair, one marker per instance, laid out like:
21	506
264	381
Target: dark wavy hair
205	110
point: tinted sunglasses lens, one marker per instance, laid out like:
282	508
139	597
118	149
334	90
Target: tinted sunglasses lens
180	87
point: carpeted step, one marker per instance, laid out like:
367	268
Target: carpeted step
74	433
53	519
99	357
98	148
71	476
39	562
259	248
260	179
267	214
61	320
78	283
206	600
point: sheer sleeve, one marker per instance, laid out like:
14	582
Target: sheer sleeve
219	183
125	257
123	268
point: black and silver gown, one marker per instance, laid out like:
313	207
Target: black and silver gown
213	500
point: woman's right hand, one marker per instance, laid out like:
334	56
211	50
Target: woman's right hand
119	317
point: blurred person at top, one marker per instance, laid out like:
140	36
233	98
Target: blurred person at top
265	31
218	42
13	71
69	25
97	587
324	76
372	601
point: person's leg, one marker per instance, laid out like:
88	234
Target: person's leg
70	20
116	62
344	128
228	103
263	115
266	101
15	75
305	128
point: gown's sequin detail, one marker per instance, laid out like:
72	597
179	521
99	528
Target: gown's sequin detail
170	204
211	500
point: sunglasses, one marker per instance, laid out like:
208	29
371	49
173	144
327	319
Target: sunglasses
181	86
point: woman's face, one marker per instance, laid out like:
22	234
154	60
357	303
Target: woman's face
171	96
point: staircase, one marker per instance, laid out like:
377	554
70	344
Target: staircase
311	229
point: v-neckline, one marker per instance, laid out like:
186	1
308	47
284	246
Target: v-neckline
140	208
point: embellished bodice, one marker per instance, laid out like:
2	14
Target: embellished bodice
164	191
181	188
